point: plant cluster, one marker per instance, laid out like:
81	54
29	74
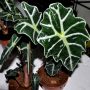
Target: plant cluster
61	34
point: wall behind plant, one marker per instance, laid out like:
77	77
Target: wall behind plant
83	12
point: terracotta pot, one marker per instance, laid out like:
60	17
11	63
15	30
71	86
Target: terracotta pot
4	42
18	83
56	82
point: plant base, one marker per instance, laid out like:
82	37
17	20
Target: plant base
56	82
18	83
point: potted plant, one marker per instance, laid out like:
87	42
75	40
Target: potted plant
21	24
61	34
11	13
63	39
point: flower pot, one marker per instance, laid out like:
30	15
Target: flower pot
18	83
4	42
56	82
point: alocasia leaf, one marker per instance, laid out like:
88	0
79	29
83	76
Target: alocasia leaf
10	11
29	26
63	35
10	47
35	82
24	49
7	4
53	68
10	16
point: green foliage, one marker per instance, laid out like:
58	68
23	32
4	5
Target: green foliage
63	35
35	82
52	67
25	52
30	26
13	73
9	11
10	47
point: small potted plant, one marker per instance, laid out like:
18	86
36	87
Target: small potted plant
26	28
63	37
61	34
11	13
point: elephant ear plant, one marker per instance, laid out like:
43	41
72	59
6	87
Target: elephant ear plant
29	27
62	35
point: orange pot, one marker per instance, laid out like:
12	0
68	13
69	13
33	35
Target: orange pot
56	82
18	83
4	42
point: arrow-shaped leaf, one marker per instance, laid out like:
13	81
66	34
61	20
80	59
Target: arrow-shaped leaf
24	49
10	47
53	68
63	35
29	26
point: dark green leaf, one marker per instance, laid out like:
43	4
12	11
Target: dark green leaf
10	12
7	4
53	68
10	47
30	26
24	50
63	35
35	82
